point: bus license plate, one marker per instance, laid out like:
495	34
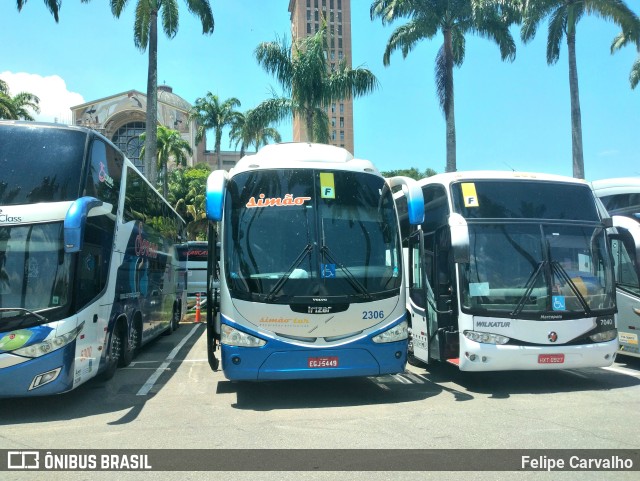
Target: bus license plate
550	358
314	362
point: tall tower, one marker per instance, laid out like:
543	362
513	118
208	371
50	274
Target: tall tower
306	19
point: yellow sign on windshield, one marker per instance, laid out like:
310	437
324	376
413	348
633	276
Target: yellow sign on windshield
469	194
327	186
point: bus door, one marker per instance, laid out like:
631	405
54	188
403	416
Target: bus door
423	321
627	291
213	297
443	282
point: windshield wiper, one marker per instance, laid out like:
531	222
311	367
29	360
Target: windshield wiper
276	288
528	289
559	270
24	312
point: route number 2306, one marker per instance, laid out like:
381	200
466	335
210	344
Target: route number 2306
373	314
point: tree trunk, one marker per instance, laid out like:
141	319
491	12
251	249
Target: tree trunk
576	118
310	134
150	146
217	146
449	113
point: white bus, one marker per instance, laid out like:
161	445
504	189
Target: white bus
621	196
511	271
88	267
311	278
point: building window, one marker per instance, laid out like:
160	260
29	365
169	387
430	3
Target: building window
308	3
127	139
339	29
315	14
308	15
340	54
339	4
333	108
333	135
342	122
339	42
342	135
308	28
333	121
341	108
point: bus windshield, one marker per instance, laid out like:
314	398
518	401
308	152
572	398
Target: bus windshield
53	158
545	257
292	233
35	272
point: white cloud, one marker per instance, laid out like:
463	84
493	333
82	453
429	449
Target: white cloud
55	100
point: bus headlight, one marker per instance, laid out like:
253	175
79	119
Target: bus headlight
604	336
233	337
485	337
49	345
396	333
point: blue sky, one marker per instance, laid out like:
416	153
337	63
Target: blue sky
509	115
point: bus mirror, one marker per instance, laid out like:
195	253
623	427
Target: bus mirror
632	227
459	238
413	194
75	221
216	184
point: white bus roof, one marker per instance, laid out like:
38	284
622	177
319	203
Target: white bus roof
312	156
620	185
471	175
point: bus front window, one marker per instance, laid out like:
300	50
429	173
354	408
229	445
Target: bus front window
291	233
34	271
530	270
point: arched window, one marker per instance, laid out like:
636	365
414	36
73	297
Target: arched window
127	138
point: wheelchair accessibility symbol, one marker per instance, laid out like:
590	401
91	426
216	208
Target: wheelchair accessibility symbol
327	271
558	303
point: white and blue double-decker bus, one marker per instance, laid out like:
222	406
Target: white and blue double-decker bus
311	276
88	264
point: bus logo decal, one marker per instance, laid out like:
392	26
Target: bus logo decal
276	201
143	246
553	336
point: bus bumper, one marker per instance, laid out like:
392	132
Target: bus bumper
278	360
21	379
488	357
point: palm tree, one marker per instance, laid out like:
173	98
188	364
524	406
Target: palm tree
211	114
303	72
53	6
564	16
145	34
620	41
453	20
17	107
170	145
246	131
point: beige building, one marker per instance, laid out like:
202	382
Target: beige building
122	118
306	19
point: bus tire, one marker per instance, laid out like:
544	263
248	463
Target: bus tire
175	321
130	348
114	353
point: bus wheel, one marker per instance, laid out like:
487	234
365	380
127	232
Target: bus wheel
114	353
175	321
131	349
